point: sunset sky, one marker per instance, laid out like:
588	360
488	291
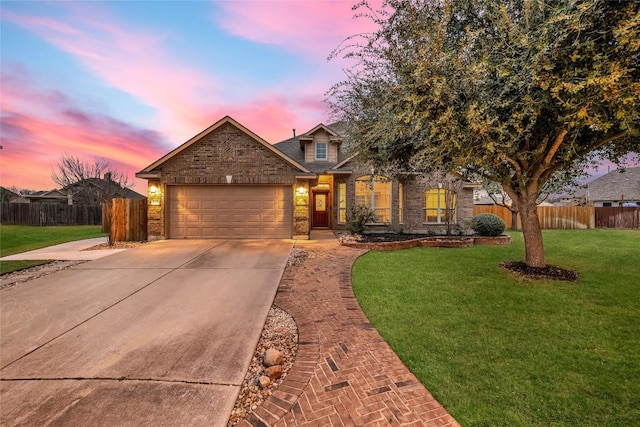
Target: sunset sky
130	80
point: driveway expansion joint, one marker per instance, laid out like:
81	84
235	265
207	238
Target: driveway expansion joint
121	379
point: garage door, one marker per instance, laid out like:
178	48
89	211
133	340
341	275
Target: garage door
223	212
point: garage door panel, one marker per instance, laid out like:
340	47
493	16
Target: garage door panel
230	212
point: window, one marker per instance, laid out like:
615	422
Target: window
439	206
321	151
375	193
342	203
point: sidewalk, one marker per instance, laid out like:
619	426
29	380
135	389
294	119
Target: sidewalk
344	374
71	251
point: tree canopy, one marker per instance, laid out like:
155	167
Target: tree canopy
513	91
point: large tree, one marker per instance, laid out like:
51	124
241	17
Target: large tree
90	182
514	91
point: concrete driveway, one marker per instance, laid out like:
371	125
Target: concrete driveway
159	335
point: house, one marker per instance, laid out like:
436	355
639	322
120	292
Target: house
91	191
58	197
227	182
95	191
620	187
8	196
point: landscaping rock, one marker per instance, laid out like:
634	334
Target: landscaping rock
264	381
272	357
274	372
279	332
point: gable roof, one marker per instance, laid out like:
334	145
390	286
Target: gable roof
6	194
308	136
616	185
294	148
149	170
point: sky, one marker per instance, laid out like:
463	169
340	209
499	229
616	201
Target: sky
128	81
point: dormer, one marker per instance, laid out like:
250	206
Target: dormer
320	144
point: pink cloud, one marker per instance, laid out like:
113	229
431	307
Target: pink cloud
313	28
127	58
33	141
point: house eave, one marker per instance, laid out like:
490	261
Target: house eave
149	175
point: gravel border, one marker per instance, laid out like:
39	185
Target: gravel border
281	333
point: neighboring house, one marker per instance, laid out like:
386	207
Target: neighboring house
617	188
8	196
92	191
95	191
482	197
57	197
227	182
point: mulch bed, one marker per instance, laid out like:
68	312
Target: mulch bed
550	272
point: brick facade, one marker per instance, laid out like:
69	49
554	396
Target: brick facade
226	151
414	187
229	154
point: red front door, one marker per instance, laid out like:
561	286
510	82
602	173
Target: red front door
320	210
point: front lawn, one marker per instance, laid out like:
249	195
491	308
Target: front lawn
495	350
21	238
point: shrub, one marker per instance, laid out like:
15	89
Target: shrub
487	225
358	216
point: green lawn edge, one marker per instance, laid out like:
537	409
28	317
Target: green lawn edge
15	239
496	350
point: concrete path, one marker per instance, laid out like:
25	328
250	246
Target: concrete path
71	251
158	335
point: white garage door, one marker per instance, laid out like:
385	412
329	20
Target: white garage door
223	212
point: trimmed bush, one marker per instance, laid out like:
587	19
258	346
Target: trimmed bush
487	225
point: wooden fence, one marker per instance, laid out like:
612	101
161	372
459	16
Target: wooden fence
125	220
572	217
617	217
50	214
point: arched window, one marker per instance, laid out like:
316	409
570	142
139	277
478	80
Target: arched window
375	193
439	206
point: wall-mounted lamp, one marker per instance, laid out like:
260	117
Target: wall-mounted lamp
153	189
302	190
229	179
439	185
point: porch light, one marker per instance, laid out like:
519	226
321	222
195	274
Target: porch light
229	179
302	190
153	189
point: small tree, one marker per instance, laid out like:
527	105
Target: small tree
358	217
90	182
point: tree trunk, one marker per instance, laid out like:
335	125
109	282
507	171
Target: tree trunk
532	233
514	220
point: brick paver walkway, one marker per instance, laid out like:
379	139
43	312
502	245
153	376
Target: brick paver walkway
344	374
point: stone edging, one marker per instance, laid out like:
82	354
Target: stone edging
431	242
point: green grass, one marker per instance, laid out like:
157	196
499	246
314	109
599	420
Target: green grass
498	351
21	238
